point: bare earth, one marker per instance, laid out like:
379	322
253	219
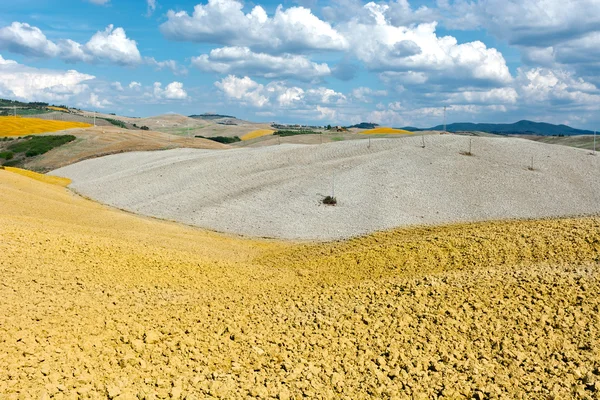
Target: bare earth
104	140
276	191
98	303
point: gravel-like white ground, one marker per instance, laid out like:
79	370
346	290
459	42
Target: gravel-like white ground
277	191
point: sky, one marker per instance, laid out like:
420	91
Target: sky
339	62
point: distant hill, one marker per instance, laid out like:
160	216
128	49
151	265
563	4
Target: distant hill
13	103
365	125
210	116
523	127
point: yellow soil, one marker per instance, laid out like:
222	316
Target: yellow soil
54	180
96	302
257	133
17	126
57	108
383	130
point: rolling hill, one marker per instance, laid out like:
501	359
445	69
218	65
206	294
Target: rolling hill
523	127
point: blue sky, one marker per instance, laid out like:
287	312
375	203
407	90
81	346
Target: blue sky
395	63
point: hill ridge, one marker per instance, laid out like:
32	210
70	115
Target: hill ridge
522	127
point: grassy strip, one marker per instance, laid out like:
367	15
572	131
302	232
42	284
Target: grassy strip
116	122
36	145
222	139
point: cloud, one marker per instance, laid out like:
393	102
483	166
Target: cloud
384	47
28	40
397	12
559	88
325	96
365	94
172	65
507	95
243	89
243	61
96	102
117	86
134	85
326	113
31	84
151	7
223	22
540	23
173	91
549	33
345	71
278	95
113	45
110	45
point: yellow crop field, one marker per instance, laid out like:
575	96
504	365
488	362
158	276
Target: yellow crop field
18	126
54	180
384	130
96	302
57	108
257	133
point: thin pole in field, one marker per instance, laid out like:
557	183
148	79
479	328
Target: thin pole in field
531	163
444	119
333	185
594	142
423	141
94	118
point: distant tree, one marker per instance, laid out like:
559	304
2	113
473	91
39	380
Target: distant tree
328	127
144	128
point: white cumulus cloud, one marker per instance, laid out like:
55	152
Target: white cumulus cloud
113	44
417	49
249	92
243	61
173	91
96	102
561	87
243	89
224	22
109	45
27	40
31	84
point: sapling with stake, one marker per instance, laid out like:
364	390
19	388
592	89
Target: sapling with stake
531	168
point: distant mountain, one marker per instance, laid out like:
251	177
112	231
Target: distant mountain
210	116
523	127
365	125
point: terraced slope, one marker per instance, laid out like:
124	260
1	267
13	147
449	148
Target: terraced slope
277	191
99	303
